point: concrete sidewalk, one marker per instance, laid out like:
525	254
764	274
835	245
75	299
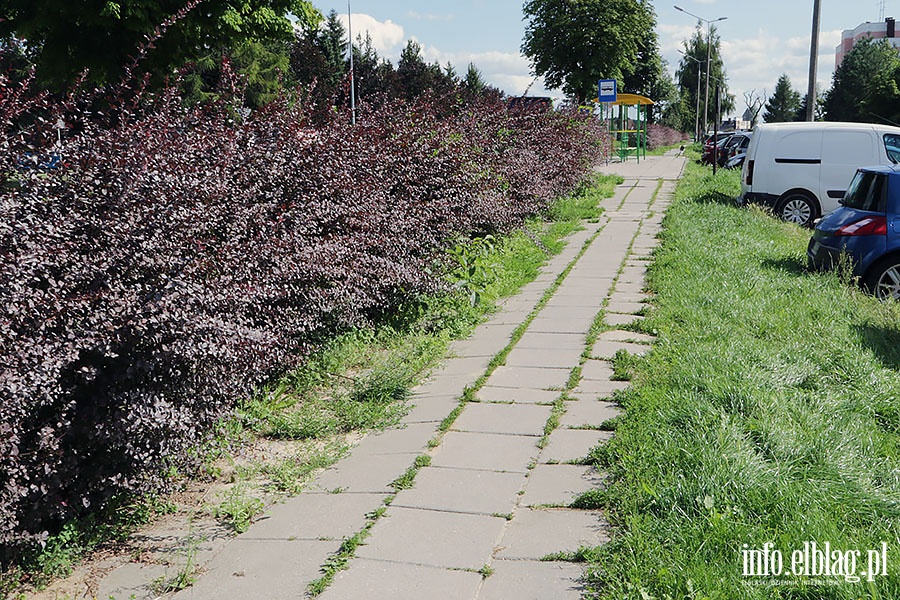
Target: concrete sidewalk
491	504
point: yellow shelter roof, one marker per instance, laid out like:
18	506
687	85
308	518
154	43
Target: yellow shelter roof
630	100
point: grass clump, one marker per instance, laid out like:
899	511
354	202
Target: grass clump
769	415
238	508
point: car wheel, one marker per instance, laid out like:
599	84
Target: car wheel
798	208
883	278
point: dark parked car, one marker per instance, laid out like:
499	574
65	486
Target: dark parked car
708	153
866	228
736	145
736	161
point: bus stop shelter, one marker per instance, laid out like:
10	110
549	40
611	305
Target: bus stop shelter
627	118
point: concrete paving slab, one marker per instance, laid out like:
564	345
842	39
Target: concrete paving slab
606	350
533	580
630	287
376	580
512	419
588	412
486	341
499	328
469	368
316	516
559	485
569	312
599	388
597	370
594	287
271	569
518	396
628	308
558	341
566	445
536	533
618	320
537	378
205	539
363	473
133	581
474	348
462	490
620	296
580	300
433	538
621	335
431	409
633	275
485	451
516	309
442	385
402	439
542	324
564	358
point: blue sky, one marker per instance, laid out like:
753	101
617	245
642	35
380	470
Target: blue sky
761	39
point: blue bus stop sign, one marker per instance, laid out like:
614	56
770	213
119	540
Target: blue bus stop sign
606	90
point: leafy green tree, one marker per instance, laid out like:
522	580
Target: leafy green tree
649	75
473	81
262	68
100	35
694	60
332	41
573	44
374	75
416	76
865	86
784	103
818	113
679	113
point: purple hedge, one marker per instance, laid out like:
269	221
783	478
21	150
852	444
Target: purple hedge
180	257
659	136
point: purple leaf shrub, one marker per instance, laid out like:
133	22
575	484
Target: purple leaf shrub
180	257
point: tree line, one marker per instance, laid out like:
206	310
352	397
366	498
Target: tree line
865	88
273	45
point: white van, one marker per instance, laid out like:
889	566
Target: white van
801	170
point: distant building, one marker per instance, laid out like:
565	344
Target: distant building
872	30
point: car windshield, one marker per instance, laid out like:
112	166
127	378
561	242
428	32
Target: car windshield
866	192
892	145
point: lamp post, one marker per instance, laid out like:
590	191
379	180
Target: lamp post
697	109
352	74
709	23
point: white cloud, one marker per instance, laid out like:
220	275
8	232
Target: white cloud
755	62
505	70
510	72
387	36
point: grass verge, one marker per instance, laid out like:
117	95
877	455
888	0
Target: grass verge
768	413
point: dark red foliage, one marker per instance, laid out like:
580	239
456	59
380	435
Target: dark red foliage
659	136
182	256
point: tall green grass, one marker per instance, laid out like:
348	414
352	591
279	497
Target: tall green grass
768	411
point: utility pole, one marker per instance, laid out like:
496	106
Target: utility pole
352	74
813	60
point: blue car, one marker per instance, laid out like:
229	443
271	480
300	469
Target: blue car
866	227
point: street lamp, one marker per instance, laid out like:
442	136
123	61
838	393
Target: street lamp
352	74
709	23
696	110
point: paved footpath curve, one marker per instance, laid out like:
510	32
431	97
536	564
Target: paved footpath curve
491	500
